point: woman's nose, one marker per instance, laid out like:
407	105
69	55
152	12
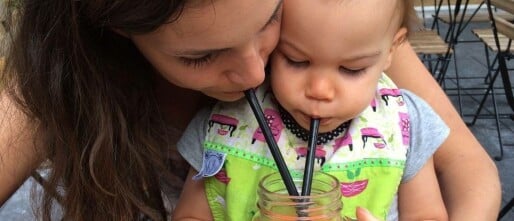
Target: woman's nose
248	68
320	87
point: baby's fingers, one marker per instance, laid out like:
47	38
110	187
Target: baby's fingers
364	215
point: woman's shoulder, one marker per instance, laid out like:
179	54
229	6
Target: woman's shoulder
18	154
12	118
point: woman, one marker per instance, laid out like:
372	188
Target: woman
103	89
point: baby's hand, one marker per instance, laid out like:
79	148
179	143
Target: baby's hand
364	215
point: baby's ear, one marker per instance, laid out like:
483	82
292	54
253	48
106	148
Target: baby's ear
399	37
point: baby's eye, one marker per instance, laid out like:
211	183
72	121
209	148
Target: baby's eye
296	64
350	71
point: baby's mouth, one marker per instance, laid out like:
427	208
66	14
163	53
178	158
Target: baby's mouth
308	118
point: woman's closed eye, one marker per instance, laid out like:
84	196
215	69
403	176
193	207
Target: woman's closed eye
198	62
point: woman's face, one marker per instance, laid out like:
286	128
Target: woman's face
217	47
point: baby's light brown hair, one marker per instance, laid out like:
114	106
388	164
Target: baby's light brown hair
409	18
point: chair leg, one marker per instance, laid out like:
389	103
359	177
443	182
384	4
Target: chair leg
490	89
463	24
459	96
497	122
490	64
423	16
487	80
484	98
435	22
506	209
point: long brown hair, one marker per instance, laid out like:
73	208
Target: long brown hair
89	93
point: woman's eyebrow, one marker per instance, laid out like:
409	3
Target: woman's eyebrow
199	52
272	17
208	51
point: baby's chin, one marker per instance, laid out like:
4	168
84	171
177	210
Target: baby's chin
324	129
326	124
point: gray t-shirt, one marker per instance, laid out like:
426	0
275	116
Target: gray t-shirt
427	133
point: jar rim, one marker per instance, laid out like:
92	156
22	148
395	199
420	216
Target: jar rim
314	196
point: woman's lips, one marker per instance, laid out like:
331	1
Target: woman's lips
233	92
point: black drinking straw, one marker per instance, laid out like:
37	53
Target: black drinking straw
309	162
272	145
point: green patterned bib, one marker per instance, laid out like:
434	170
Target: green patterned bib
368	158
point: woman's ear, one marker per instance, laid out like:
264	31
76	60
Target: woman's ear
120	32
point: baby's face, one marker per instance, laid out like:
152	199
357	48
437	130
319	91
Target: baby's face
330	56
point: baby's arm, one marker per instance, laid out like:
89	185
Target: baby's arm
420	198
192	204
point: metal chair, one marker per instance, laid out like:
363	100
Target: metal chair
437	52
500	40
500	25
432	49
506	209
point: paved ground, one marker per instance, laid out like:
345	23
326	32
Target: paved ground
471	69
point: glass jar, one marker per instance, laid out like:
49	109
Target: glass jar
324	203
